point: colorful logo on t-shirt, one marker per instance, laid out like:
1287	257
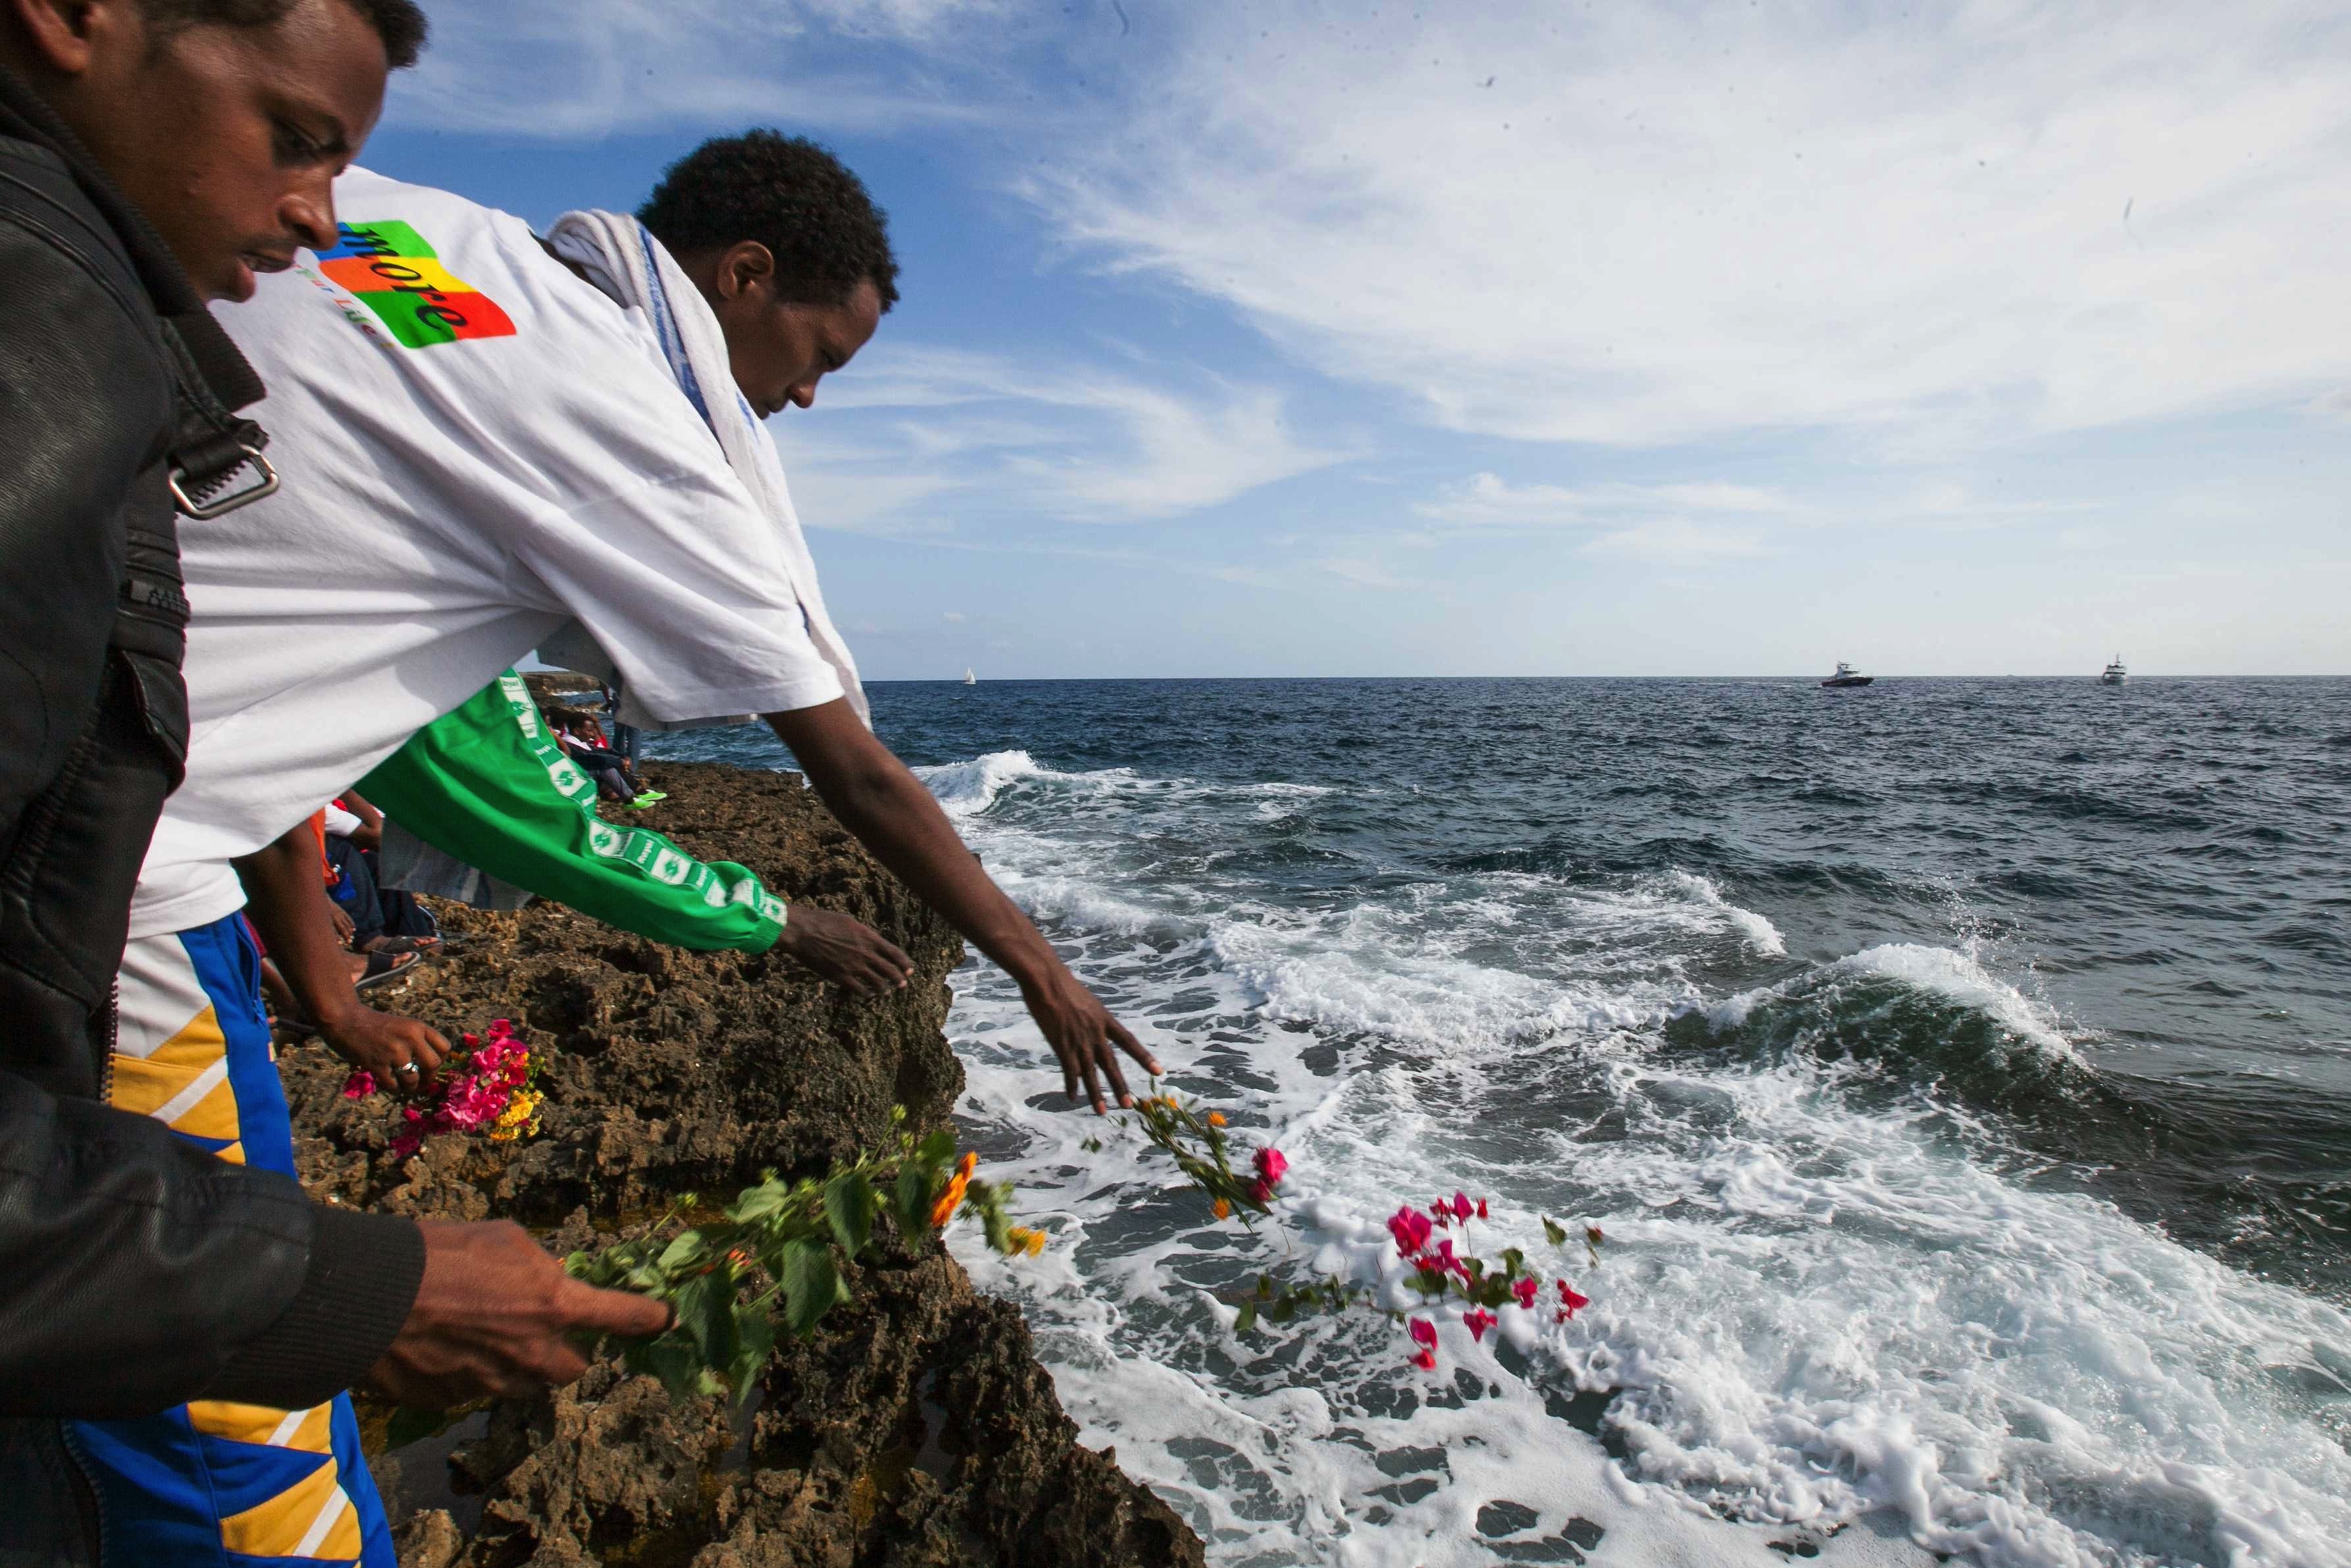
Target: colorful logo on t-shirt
387	265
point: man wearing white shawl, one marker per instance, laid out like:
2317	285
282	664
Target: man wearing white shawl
492	443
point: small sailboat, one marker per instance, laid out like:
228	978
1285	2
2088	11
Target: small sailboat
968	678
2114	674
1846	677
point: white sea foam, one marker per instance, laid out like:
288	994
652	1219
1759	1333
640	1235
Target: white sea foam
1812	1314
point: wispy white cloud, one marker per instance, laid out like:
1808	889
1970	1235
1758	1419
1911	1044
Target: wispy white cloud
929	432
1489	500
1640	225
595	68
1678	541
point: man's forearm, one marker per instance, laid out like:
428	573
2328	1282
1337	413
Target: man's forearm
285	899
886	805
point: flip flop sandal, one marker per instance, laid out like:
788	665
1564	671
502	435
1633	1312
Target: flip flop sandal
404	944
382	967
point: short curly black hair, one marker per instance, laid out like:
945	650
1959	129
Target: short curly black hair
398	23
792	197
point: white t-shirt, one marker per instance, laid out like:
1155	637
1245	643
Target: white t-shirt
475	447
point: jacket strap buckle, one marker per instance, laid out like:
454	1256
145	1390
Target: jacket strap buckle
202	495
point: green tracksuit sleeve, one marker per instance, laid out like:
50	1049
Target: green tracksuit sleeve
488	784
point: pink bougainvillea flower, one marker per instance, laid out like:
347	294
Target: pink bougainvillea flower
1479	1320
1262	1191
1424	1332
1482	1208
1426	1360
1410	1228
1462	1207
1441	1212
1573	1300
1446	1262
1525	1291
360	1084
1271	1167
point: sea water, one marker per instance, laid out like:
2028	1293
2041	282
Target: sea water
1959	1070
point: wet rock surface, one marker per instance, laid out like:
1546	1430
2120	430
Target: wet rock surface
916	1426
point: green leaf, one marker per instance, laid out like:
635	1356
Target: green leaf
702	1302
938	1149
1282	1310
812	1286
1247	1319
755	1340
848	1210
757	1203
673	1358
1557	1237
913	1203
681	1253
1514	1262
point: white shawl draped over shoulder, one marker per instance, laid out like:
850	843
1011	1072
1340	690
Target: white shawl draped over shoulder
628	263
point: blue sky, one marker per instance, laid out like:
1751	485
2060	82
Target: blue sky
1359	340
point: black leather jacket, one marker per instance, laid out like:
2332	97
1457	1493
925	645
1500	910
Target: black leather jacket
135	1272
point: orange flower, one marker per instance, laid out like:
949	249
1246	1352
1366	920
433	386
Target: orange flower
1215	1118
1221	1209
949	1200
966	1165
1025	1240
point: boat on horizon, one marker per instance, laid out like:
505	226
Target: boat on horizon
968	678
1846	677
2114	674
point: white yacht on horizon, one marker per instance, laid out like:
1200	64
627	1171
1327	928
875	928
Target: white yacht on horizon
2114	674
968	678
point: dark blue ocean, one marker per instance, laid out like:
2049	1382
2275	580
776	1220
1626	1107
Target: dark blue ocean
1962	1071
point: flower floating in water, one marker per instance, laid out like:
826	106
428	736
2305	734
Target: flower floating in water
1410	1228
1424	1334
1271	1168
1437	1268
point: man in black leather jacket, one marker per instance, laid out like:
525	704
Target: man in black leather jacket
135	1271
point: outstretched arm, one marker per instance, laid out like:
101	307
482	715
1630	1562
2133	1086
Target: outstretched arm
287	904
893	815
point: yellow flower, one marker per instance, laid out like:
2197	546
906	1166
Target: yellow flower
1025	1240
1215	1118
1221	1209
1036	1242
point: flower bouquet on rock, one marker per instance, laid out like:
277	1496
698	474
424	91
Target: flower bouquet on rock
491	1093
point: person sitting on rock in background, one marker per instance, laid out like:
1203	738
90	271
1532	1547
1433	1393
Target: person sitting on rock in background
582	485
154	153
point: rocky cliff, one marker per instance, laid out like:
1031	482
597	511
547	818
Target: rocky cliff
915	1428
